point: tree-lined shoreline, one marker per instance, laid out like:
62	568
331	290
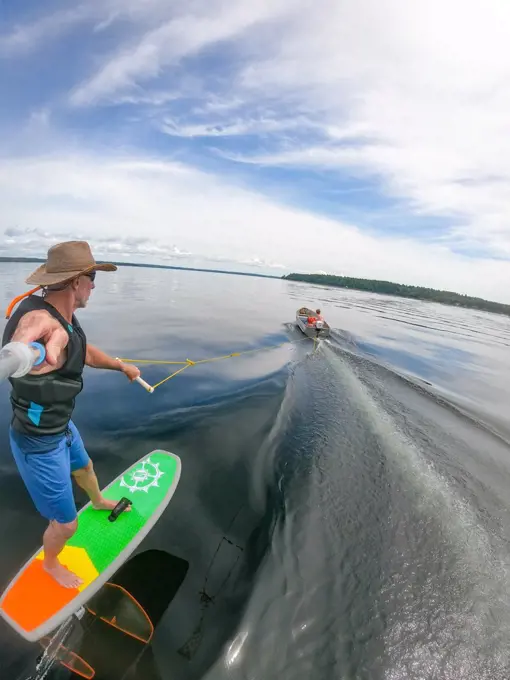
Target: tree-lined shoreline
369	285
401	290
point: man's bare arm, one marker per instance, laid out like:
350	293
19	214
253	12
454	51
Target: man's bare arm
96	358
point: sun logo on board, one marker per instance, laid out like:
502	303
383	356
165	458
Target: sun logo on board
143	477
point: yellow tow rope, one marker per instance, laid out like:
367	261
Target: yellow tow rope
186	364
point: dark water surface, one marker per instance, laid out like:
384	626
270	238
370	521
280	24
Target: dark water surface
343	514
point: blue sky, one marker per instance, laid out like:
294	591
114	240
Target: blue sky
363	138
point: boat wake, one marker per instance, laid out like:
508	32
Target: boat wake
387	555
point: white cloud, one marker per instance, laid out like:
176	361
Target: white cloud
414	96
35	241
34	34
154	98
170	42
25	38
244	126
133	205
261	263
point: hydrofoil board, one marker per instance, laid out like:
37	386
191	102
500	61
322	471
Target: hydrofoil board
34	604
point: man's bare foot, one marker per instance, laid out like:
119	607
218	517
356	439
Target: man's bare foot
105	504
63	576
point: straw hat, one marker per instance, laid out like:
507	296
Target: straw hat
64	262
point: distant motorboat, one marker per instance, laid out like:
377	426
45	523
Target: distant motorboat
311	330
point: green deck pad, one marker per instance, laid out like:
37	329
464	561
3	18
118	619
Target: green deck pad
146	484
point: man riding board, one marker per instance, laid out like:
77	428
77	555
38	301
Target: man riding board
45	443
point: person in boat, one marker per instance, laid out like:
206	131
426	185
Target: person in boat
319	320
45	443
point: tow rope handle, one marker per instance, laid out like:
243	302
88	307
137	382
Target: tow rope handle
145	385
141	382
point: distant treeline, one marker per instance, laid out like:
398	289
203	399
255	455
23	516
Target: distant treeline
388	288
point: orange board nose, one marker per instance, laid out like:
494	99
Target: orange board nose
36	597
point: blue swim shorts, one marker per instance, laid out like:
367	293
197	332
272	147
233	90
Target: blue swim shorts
45	464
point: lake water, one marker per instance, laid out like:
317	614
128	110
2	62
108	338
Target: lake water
343	513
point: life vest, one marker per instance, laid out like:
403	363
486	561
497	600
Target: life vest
43	404
311	320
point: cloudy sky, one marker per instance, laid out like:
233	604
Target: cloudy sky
360	137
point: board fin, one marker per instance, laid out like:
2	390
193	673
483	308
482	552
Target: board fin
69	659
118	608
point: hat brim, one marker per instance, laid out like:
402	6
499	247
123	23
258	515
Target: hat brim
40	277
